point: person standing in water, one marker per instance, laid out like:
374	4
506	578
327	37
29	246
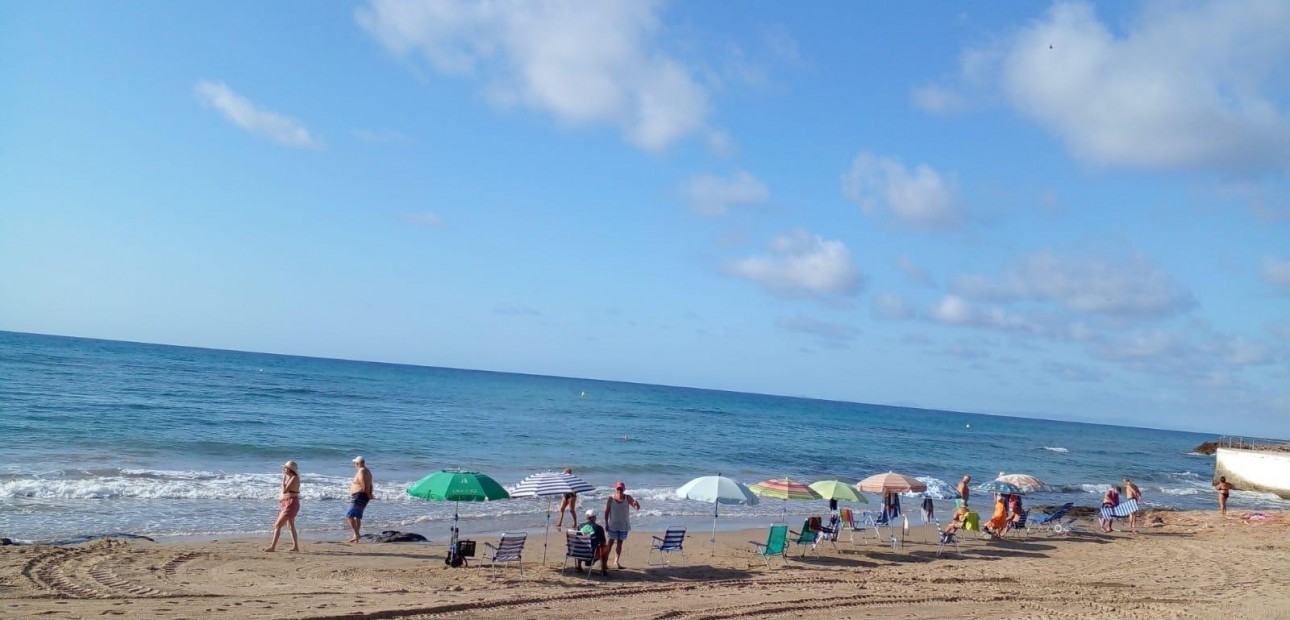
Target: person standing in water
569	501
288	506
360	492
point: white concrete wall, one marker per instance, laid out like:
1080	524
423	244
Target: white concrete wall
1252	470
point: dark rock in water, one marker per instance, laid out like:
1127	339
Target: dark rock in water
392	536
5	542
84	538
1209	447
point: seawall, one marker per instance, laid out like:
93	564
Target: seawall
1255	470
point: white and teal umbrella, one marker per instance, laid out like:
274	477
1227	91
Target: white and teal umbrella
717	490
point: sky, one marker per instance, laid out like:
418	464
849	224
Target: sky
1068	211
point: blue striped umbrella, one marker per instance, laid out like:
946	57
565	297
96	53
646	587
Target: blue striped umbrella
999	486
550	484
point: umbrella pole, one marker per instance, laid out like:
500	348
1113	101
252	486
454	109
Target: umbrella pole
715	506
547	532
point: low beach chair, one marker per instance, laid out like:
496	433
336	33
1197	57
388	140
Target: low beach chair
578	547
809	535
947	538
1020	524
775	545
673	541
862	523
1046	522
509	549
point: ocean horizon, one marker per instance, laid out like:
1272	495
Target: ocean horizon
172	441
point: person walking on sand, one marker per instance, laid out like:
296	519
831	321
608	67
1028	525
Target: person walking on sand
360	492
1110	500
1224	488
964	488
288	506
570	501
1131	491
618	519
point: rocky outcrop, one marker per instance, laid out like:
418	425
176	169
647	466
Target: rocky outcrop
1209	447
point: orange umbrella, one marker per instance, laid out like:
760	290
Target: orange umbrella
891	482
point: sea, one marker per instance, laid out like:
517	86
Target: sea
172	442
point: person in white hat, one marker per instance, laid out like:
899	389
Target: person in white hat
288	506
599	544
360	492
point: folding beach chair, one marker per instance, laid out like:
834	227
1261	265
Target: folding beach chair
1048	522
578	547
1121	511
509	549
775	545
947	538
809	535
859	523
673	541
1020	524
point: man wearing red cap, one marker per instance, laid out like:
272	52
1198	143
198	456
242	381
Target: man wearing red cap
618	519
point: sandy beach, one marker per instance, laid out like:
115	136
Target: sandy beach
1192	565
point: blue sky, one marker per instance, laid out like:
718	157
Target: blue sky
1067	211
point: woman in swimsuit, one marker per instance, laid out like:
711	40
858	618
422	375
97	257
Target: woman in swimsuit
569	501
288	506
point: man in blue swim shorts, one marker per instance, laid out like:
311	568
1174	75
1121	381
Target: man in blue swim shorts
360	492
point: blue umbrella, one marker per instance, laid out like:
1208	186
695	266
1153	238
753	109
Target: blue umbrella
999	486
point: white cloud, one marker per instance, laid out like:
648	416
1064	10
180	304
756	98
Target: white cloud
710	195
1182	85
891	306
802	265
1073	372
919	199
241	112
584	63
1275	273
1126	288
1242	352
936	99
834	335
954	310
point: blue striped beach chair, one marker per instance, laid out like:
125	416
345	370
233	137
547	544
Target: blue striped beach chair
1122	511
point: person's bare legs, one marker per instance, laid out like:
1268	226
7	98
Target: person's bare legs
277	532
291	527
559	520
618	553
1222	506
354	524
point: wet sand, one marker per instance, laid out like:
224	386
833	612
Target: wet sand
1194	565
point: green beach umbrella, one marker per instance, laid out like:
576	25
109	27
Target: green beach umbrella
839	490
457	487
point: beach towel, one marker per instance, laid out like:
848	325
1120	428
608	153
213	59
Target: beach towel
928	508
972	522
1122	510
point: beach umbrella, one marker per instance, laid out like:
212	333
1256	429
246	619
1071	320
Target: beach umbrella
837	490
457	487
891	482
718	490
785	489
999	486
1027	484
550	484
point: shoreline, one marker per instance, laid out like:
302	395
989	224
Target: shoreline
1192	563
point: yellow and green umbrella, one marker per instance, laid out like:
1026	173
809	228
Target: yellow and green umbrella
785	489
837	490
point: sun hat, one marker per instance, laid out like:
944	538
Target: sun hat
591	514
290	466
359	459
620	485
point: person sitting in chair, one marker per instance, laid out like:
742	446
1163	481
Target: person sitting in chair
599	543
998	522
